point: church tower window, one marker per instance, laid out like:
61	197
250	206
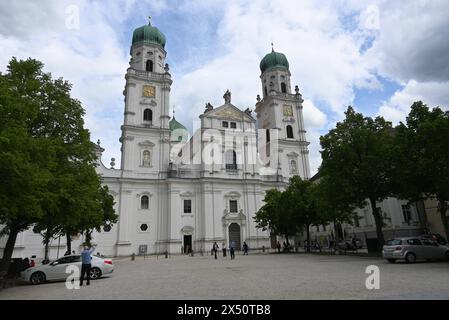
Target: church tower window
283	87
149	66
148	115
289	132
144	202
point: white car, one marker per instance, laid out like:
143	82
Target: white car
56	270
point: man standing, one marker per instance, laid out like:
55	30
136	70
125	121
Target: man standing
231	249
86	264
224	249
245	248
215	249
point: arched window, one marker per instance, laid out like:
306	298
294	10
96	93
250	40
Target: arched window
231	160
149	66
289	131
147	115
268	135
144	202
283	87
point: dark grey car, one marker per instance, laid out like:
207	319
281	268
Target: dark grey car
412	249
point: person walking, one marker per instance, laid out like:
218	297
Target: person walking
223	245
245	248
86	257
215	248
279	246
232	250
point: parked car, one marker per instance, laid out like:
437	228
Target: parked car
435	237
412	249
56	270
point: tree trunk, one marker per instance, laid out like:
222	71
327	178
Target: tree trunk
308	237
88	238
69	242
336	240
7	252
442	207
46	243
379	223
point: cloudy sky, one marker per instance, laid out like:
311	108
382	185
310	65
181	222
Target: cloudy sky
378	56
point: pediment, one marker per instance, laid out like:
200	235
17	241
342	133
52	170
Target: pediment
229	112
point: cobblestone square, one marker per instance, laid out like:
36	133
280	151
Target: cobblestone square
256	276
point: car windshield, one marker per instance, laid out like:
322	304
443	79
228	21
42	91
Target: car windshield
393	242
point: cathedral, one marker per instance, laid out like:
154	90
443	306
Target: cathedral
176	192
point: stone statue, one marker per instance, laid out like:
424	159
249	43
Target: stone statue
294	167
167	68
258	98
209	107
227	96
146	158
248	111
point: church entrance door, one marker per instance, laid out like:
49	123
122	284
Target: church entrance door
187	244
234	235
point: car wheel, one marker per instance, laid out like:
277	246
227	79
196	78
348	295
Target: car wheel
410	258
391	260
95	273
37	278
446	256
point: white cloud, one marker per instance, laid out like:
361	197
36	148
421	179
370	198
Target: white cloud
413	41
431	93
325	43
324	59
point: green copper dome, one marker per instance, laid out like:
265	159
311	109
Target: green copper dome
148	35
273	60
175	125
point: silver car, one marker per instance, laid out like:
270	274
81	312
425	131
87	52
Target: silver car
412	249
56	270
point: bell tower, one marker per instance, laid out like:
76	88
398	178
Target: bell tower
279	113
145	132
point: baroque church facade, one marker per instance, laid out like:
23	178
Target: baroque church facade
175	192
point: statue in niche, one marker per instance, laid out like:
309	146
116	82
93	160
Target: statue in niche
294	167
146	162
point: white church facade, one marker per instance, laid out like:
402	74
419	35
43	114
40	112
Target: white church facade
175	192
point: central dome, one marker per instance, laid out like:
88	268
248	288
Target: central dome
273	60
148	35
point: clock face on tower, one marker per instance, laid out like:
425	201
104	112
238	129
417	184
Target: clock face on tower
149	91
288	110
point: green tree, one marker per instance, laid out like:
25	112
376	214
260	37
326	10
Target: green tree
26	159
46	157
332	204
357	157
422	157
300	202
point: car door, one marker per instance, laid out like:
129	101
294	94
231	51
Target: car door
431	249
56	270
415	246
